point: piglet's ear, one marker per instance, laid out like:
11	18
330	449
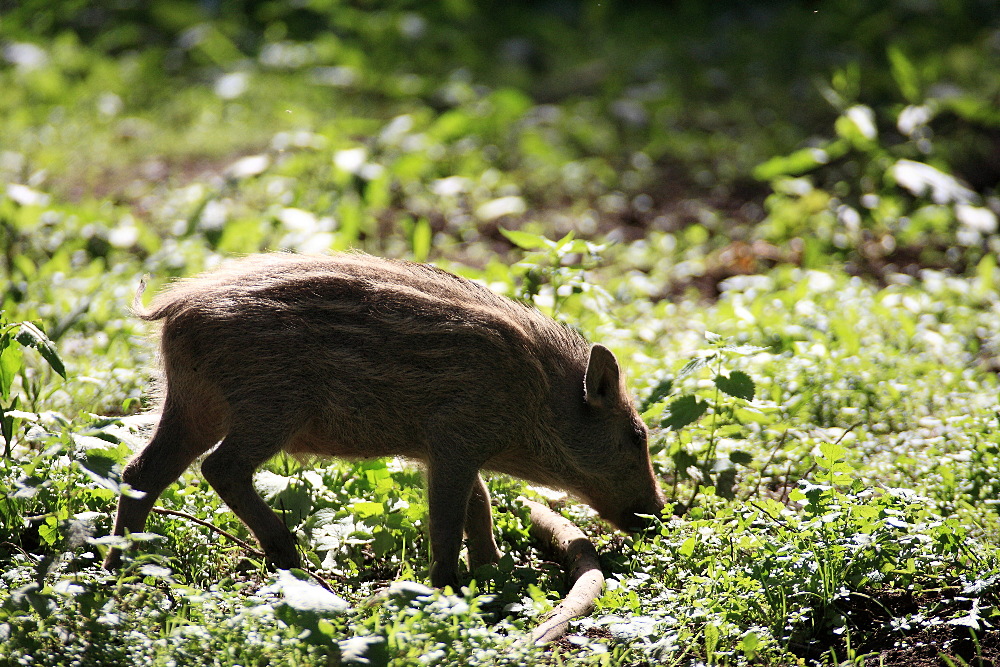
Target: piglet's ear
602	386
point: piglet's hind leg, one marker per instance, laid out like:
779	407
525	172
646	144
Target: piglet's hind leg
172	449
230	468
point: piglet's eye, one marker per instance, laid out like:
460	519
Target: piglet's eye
639	435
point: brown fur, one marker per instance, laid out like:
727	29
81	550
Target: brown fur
356	356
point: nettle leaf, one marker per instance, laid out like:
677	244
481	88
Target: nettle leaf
383	543
660	391
738	385
832	452
685	410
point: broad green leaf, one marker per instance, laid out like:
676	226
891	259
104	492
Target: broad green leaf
295	499
660	391
738	385
770	506
740	457
98	465
748	413
31	336
383	542
683	459
525	240
685	410
687	548
832	452
10	364
366	509
49	531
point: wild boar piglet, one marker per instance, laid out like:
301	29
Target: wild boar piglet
358	357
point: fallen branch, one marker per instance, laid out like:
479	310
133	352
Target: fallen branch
579	558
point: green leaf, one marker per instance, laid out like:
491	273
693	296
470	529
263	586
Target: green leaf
683	459
6	430
31	336
10	364
49	531
295	500
365	509
566	243
687	548
383	542
98	465
750	645
685	410
693	366
744	349
660	391
905	74
738	385
741	458
525	240
712	636
832	452
794	164
422	237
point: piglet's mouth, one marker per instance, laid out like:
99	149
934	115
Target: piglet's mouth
637	521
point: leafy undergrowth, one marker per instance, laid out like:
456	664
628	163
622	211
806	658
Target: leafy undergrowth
839	477
794	259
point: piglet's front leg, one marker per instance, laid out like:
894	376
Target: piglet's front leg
449	488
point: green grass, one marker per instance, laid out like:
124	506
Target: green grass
812	337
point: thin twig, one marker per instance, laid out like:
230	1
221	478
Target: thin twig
243	543
848	430
32	557
320	580
201	522
770	459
